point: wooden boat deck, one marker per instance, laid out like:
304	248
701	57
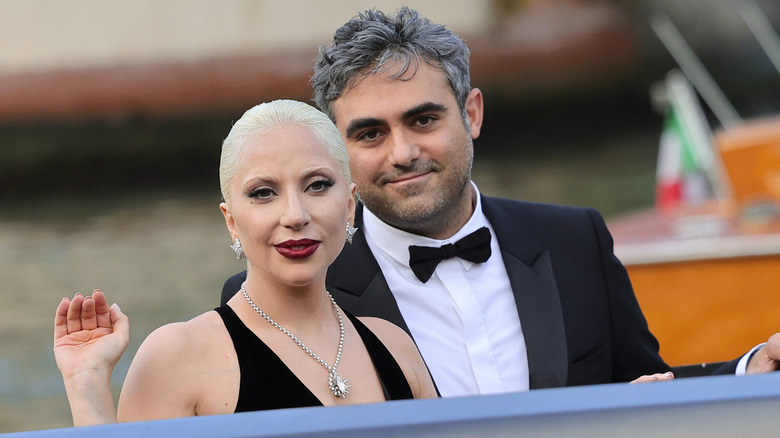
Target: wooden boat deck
709	288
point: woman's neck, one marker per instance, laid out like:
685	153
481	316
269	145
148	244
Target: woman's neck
303	307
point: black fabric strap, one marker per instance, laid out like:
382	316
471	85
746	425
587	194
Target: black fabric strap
392	378
267	383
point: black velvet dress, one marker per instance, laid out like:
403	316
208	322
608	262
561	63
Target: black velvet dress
276	387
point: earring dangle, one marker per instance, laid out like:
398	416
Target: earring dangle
240	255
350	232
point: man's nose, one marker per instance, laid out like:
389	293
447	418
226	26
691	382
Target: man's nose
404	149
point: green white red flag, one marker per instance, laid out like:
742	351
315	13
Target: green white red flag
688	170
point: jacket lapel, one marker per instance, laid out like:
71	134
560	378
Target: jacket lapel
357	283
536	294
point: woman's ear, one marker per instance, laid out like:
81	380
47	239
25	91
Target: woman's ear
229	221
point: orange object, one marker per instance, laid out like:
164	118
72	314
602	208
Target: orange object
751	156
707	297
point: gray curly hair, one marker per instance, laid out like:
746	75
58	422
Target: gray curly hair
374	43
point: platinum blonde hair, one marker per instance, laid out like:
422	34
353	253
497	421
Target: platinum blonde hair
274	114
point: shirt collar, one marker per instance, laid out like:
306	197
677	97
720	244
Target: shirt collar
396	242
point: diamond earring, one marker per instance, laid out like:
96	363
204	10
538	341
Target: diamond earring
350	232
240	255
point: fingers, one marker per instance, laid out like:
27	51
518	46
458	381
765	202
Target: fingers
120	322
767	358
74	313
61	319
773	347
88	314
102	309
116	314
643	379
654	377
82	313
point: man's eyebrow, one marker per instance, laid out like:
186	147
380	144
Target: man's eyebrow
424	108
358	124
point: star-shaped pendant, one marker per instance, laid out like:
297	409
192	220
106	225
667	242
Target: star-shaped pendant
339	386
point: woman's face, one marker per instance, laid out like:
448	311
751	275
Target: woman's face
289	206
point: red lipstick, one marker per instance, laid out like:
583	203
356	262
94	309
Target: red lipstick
297	249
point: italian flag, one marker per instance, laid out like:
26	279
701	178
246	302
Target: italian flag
688	170
680	174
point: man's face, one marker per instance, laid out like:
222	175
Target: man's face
410	153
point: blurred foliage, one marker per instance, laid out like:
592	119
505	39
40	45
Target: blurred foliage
562	149
91	157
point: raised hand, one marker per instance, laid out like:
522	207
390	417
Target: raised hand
89	339
88	333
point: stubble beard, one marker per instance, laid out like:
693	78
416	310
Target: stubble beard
427	213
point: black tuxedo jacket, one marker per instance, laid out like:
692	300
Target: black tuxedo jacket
581	321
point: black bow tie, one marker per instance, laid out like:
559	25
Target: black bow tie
475	248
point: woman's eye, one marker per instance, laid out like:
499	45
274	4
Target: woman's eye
261	193
321	185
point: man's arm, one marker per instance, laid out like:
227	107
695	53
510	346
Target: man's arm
762	358
767	358
636	349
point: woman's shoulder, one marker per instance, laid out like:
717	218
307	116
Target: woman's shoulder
393	337
181	335
175	344
187	351
405	352
381	327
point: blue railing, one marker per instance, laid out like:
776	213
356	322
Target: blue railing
706	406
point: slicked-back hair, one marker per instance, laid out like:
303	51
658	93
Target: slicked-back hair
269	115
374	43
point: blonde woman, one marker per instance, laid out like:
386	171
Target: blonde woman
282	341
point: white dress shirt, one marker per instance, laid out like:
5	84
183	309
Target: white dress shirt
464	318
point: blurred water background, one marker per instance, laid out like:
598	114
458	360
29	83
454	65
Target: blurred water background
127	201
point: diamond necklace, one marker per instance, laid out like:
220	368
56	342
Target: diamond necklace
338	384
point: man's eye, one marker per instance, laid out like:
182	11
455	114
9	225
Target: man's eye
423	121
370	135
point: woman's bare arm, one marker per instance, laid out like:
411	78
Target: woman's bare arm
89	339
406	354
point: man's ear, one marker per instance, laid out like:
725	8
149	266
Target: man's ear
351	206
474	110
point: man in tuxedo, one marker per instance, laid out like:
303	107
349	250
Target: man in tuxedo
499	295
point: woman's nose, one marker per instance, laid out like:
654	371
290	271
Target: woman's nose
296	215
